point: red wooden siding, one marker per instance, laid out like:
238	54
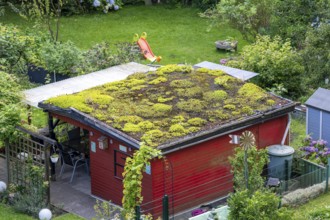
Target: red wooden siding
201	173
191	176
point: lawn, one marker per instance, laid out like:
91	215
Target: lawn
9	213
178	35
320	203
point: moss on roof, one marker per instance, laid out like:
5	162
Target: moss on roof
171	102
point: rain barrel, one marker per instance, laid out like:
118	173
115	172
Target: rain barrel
278	154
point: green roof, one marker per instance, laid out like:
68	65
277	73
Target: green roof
170	103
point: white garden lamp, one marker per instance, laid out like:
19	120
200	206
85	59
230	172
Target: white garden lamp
3	186
45	214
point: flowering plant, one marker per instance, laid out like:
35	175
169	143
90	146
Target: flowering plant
316	151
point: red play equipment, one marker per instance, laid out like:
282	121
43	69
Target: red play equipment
145	48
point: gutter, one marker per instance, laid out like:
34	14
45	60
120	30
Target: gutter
286	130
261	118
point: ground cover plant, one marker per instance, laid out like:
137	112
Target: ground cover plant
179	35
171	102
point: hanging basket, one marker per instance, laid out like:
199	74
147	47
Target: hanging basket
54	158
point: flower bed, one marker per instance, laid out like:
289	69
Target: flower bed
316	151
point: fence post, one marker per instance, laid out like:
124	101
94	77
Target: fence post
137	213
327	176
7	161
286	176
47	162
165	208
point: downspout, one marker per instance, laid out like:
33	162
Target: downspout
286	129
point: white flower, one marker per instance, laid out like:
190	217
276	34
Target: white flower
96	3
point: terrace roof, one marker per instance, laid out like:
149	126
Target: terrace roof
83	82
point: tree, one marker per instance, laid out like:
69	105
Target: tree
316	56
248	16
10	99
44	12
276	62
292	19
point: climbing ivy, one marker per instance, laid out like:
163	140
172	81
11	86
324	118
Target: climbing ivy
133	176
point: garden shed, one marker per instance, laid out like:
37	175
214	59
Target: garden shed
186	113
318	115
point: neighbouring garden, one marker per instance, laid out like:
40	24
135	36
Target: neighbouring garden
287	44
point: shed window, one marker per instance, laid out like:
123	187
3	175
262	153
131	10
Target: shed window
120	158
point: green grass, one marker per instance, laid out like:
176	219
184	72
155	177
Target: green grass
297	132
178	35
8	213
317	204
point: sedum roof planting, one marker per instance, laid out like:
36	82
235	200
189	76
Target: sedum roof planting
170	103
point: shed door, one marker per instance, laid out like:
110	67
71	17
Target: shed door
326	126
313	125
120	159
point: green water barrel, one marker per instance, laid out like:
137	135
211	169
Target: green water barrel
278	154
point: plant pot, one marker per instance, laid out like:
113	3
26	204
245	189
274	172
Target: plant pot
54	159
39	74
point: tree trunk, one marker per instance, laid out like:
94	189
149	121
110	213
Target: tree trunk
147	2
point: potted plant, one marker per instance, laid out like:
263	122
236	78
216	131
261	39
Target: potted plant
54	158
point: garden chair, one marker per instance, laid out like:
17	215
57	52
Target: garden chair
73	159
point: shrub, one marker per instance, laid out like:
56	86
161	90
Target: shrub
262	204
60	57
276	62
15	48
31	199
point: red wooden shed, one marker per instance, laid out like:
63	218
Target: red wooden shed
195	170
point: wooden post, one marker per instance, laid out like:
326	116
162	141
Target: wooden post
47	160
165	208
52	136
137	212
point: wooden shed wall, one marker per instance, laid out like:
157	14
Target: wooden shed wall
318	123
201	173
313	122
